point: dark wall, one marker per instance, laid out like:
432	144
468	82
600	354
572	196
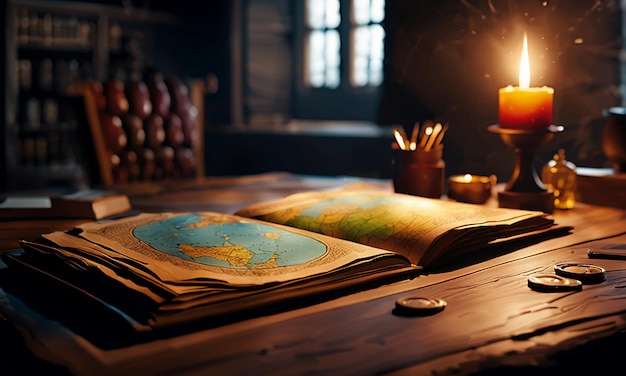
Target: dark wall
199	47
446	60
251	152
196	45
3	84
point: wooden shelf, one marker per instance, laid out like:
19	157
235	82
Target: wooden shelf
76	39
81	9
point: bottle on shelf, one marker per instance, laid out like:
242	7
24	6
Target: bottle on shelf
559	176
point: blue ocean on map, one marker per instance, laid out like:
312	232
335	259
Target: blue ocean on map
264	242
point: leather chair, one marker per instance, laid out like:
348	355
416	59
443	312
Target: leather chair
146	130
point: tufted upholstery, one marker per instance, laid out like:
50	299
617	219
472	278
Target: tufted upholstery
146	130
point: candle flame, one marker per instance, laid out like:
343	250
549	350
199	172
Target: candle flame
524	66
467	178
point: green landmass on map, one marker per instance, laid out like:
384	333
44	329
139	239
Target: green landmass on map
346	220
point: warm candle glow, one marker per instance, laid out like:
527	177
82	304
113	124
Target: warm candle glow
524	67
470	188
524	106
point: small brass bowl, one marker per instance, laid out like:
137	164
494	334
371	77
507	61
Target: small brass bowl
473	189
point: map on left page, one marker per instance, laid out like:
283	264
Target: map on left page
167	270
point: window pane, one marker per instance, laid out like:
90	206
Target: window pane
376	72
332	78
316	79
333	17
377	38
332	59
323	60
314	16
331	53
377	54
323	45
313	65
361	12
367	55
367	11
359	46
377	11
359	72
322	14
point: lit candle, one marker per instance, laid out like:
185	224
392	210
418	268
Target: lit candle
524	106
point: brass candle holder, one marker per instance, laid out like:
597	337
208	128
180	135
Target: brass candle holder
525	190
472	189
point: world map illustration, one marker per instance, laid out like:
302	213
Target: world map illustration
377	221
234	244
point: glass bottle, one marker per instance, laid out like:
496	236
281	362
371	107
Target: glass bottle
559	176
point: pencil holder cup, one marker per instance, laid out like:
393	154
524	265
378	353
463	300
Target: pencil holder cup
419	172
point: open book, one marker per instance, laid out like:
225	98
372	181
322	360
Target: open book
428	232
157	272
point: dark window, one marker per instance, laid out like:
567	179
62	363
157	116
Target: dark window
339	56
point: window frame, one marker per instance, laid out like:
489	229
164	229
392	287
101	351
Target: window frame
345	102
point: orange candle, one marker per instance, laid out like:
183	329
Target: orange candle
524	106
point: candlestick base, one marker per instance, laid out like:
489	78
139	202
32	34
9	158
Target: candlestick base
543	201
525	190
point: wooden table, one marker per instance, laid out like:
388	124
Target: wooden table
493	322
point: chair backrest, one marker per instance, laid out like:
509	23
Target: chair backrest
146	130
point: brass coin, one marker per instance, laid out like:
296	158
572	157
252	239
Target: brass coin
417	305
583	272
546	282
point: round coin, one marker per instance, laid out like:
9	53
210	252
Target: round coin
583	272
417	305
553	283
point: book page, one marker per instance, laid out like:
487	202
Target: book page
214	247
409	225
